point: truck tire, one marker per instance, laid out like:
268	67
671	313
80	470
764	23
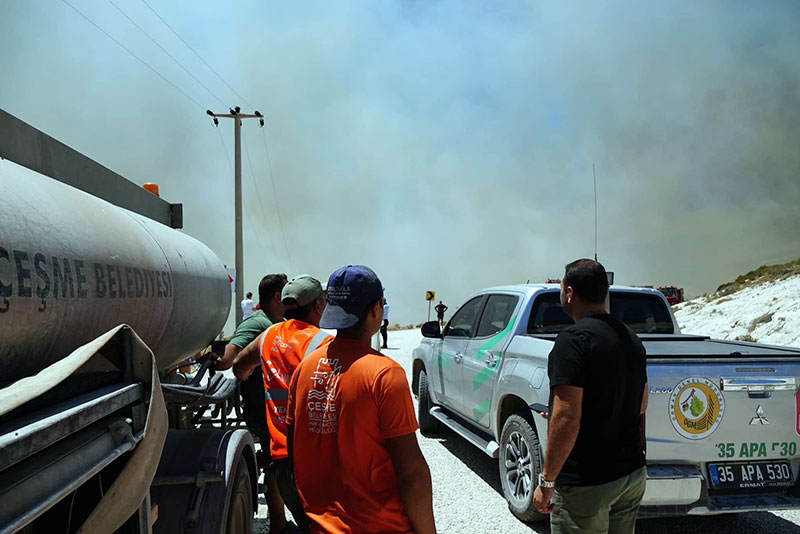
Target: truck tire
240	505
428	424
520	462
205	483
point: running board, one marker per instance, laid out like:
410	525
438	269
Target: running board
490	448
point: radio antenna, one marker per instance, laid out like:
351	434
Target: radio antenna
594	177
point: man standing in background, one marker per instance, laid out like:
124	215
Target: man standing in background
247	305
440	309
385	325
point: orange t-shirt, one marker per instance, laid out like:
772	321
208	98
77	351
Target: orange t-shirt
345	401
282	346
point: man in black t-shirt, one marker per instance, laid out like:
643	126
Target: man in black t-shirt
594	472
440	309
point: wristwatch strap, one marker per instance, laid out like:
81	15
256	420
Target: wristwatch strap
546	483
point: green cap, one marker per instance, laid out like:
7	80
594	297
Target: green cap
301	290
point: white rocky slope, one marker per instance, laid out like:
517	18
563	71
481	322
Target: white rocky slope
767	312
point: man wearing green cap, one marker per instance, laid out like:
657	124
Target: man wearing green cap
279	350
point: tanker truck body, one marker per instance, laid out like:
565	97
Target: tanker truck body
73	266
97	304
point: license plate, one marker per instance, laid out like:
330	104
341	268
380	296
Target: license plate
766	474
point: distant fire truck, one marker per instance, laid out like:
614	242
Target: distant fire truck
673	294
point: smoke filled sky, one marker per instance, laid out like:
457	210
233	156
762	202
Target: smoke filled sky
448	145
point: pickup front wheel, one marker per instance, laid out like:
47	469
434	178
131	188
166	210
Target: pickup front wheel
428	424
520	465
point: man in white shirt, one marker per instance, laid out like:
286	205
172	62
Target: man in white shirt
385	324
247	305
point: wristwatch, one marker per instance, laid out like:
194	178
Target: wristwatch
546	483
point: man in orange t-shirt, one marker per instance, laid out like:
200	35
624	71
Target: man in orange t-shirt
351	424
279	350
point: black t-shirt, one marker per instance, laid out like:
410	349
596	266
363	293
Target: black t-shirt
605	358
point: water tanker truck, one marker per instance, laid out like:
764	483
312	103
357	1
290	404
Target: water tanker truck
101	297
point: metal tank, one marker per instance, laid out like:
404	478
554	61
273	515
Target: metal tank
72	266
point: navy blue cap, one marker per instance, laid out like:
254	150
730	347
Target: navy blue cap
350	291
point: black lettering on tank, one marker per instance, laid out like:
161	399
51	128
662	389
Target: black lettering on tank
122	294
138	282
65	281
43	284
99	281
23	274
158	283
80	275
129	282
165	281
112	282
150	287
5	289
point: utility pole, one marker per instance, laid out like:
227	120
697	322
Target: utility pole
237	194
594	179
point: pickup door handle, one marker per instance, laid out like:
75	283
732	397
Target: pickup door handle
457	357
759	385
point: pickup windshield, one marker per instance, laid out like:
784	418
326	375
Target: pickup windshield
643	313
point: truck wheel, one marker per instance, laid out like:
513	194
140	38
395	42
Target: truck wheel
240	507
520	464
428	424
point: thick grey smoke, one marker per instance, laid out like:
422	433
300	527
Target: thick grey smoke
448	145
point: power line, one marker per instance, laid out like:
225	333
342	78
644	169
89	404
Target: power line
275	197
198	55
165	51
258	196
230	163
128	50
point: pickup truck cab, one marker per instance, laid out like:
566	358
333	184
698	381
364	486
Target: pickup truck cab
721	431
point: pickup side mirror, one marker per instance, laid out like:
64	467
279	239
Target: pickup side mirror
431	329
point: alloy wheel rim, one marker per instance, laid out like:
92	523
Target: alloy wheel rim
518	464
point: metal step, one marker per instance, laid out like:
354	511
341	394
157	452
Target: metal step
489	447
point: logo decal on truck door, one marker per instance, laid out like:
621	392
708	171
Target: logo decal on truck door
696	407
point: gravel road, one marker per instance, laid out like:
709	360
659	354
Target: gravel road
467	497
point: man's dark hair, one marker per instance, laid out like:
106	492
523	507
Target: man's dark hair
249	294
301	313
363	317
588	279
269	285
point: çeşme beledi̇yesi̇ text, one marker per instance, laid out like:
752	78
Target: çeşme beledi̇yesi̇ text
26	274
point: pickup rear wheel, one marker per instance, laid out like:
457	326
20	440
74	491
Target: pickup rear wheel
520	465
428	424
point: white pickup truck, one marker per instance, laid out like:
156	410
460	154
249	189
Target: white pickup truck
721	431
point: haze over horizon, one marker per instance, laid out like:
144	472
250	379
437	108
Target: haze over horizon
448	145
